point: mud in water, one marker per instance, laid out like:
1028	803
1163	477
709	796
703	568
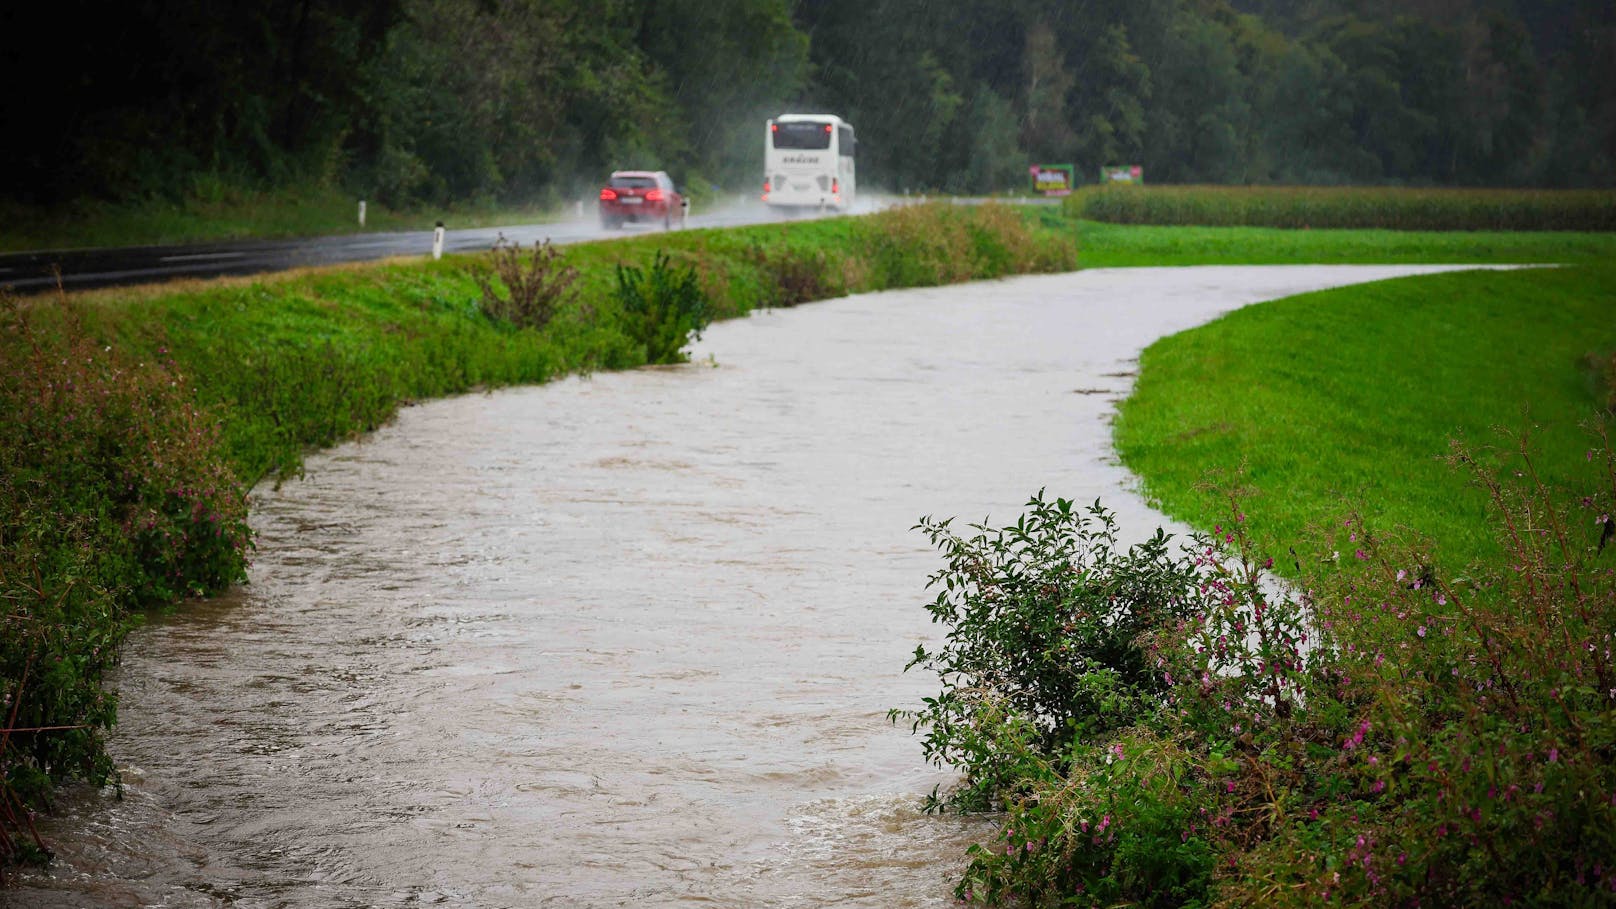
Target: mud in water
621	641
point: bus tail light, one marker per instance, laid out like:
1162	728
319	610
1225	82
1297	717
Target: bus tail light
835	185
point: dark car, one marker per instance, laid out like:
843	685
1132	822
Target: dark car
640	195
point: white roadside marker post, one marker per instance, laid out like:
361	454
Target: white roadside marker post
437	241
361	212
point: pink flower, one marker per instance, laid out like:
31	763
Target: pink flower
1361	554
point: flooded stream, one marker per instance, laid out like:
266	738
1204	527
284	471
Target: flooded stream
627	640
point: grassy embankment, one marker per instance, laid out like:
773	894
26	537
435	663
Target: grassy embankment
1431	724
133	421
127	465
1350	397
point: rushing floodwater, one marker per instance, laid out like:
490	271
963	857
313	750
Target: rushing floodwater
626	640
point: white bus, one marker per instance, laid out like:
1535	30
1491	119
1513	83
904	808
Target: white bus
808	162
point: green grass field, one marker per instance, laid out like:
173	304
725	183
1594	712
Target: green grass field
1348	399
1315	207
1122	245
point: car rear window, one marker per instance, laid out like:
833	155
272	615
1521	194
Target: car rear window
802	135
633	183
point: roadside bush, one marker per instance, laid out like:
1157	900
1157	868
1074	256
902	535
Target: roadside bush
1049	641
941	243
665	308
794	276
1397	735
113	496
536	286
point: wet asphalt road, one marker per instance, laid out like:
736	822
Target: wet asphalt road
81	269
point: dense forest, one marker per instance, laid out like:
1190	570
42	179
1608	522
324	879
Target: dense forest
427	101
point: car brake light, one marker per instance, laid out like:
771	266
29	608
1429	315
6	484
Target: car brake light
608	195
654	195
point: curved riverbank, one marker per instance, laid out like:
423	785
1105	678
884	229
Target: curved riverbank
623	638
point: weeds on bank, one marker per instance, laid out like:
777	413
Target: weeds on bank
792	276
1397	733
665	308
536	286
133	422
113	496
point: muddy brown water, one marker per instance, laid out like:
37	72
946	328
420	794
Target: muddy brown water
626	640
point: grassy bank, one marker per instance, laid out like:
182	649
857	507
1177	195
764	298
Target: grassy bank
1326	207
1349	397
133	421
1428	720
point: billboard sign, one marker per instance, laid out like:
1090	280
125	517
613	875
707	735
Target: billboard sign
1122	173
1053	179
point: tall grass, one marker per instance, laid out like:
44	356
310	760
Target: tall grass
1349	207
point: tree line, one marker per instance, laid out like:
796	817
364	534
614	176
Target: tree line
430	101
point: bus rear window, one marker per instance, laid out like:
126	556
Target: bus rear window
802	135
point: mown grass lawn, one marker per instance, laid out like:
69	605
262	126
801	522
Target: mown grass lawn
1349	398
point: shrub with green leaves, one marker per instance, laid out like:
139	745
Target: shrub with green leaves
1397	734
794	275
114	494
1049	640
664	308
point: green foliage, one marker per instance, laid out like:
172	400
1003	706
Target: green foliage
1316	394
665	308
1047	641
1400	734
535	290
1357	207
940	243
795	275
133	421
377	100
113	496
1601	368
